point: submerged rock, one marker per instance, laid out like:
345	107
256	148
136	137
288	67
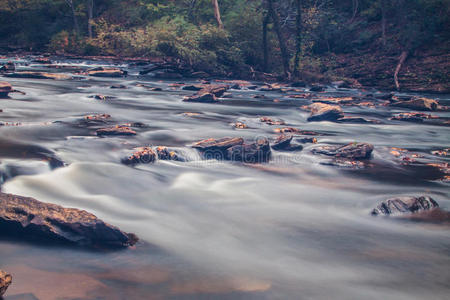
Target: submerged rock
106	72
404	205
240	125
192	88
413	117
351	151
165	153
283	143
142	155
256	152
39	75
31	219
270	121
5	282
203	98
418	104
324	112
8	67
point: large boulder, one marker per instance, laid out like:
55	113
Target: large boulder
404	205
142	155
203	98
256	152
350	151
39	75
5	282
106	72
5	88
33	220
116	130
418	103
324	112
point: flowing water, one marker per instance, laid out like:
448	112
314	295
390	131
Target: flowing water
293	228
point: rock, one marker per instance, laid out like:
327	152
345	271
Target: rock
306	140
270	88
142	155
357	120
192	88
98	117
198	74
404	205
270	121
8	67
444	152
167	74
324	112
295	130
240	125
5	89
106	72
282	142
117	130
166	154
250	153
118	86
204	98
298	84
413	117
31	219
345	163
39	75
418	104
5	282
217	149
102	97
216	90
42	60
351	151
317	88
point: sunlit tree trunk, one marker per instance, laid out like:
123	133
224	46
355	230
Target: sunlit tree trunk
298	44
265	45
217	13
383	21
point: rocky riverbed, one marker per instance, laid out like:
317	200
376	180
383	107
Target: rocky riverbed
236	189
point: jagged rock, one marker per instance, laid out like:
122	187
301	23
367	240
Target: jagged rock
217	148
97	118
418	104
118	86
324	112
295	130
282	142
404	205
39	75
351	151
317	88
106	72
117	130
5	89
31	219
204	98
142	155
5	282
250	153
240	125
305	140
216	90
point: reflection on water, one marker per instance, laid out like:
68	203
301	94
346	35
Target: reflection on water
289	229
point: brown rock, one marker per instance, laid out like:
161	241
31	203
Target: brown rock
142	155
98	117
413	117
106	72
282	142
217	148
117	130
351	151
31	219
8	67
295	130
165	153
39	75
270	121
240	125
250	153
216	90
204	98
5	88
5	282
418	104
324	112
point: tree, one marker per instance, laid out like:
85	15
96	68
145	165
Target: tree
383	21
75	21
282	43
298	40
90	13
217	13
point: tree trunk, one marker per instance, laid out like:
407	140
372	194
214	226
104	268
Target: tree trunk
401	60
217	13
298	45
281	41
265	46
75	21
355	6
383	22
90	10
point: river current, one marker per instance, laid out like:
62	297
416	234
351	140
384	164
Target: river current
292	228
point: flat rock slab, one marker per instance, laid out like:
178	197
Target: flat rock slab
33	220
142	155
418	104
5	282
117	130
404	205
256	152
106	72
350	151
39	75
5	88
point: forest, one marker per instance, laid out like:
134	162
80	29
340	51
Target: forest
306	39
